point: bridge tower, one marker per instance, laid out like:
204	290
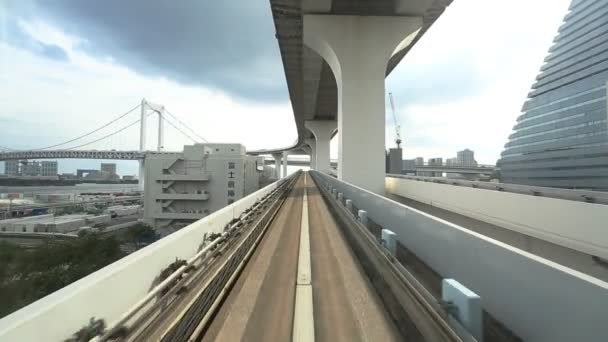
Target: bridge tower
160	110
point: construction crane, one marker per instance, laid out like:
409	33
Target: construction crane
397	126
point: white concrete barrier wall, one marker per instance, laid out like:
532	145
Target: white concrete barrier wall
109	292
537	299
577	225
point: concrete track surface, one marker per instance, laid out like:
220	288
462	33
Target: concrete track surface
260	306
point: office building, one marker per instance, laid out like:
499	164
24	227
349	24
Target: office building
30	168
48	168
561	137
109	168
181	188
11	168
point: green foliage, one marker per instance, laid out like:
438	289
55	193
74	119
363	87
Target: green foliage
140	235
27	275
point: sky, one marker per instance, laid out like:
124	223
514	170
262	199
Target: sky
69	66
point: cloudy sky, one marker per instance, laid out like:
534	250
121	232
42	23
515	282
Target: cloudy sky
69	66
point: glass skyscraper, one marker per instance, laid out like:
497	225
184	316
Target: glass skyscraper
561	137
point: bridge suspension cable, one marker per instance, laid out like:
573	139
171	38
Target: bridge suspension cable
95	130
186	126
84	135
108	135
3	148
178	129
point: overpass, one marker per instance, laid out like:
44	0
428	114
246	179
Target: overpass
480	169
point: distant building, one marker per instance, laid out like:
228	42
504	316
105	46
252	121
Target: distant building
30	168
451	162
561	137
465	157
48	168
409	167
96	175
11	168
419	161
129	178
394	161
109	168
435	161
181	188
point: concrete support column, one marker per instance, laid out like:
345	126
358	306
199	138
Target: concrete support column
285	154
358	48
313	154
277	164
142	175
322	130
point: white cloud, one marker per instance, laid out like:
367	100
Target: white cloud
503	43
72	98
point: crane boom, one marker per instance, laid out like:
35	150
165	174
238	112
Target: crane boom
397	126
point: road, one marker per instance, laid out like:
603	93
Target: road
260	307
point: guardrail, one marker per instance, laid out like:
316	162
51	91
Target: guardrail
530	295
111	291
600	197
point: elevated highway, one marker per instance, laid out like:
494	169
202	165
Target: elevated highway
336	55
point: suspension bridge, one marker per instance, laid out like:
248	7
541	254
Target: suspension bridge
114	139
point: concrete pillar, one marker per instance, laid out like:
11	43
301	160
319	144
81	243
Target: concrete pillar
313	155
142	175
285	154
277	164
358	48
322	130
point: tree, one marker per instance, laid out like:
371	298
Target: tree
141	234
27	275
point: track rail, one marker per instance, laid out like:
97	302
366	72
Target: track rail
207	277
404	300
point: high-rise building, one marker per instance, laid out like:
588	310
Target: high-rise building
465	157
181	188
561	137
11	168
109	168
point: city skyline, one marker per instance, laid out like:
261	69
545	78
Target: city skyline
58	59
